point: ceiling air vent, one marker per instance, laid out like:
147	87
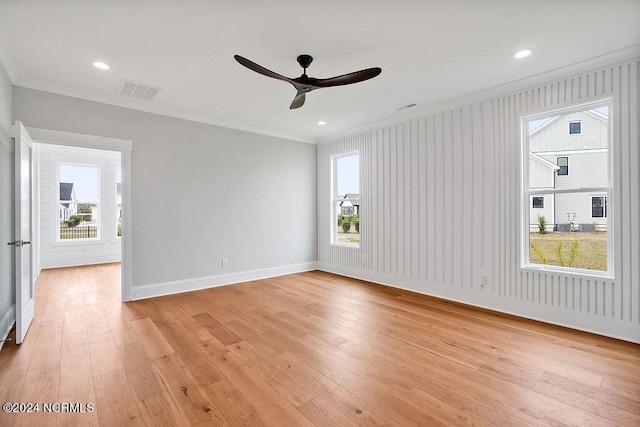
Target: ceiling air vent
138	90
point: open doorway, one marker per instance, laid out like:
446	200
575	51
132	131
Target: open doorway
83	199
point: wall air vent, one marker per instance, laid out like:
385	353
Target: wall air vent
404	107
138	90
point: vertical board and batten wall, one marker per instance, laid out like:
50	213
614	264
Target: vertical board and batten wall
441	206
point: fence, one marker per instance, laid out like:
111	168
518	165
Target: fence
82	232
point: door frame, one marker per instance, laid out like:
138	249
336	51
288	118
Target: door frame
125	147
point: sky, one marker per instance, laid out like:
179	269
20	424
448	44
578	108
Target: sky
348	174
84	179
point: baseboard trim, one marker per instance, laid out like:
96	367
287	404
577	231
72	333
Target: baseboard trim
187	285
612	328
77	262
6	324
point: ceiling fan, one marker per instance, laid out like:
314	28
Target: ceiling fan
304	83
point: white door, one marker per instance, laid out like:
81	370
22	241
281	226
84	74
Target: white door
23	224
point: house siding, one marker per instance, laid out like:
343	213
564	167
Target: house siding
441	206
585	169
594	134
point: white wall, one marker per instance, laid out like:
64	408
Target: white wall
200	193
441	204
6	207
54	252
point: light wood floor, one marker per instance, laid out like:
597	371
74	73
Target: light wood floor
305	349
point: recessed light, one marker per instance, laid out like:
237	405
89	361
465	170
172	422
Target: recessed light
522	53
101	65
322	123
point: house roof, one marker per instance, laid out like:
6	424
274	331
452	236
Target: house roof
352	198
544	161
66	189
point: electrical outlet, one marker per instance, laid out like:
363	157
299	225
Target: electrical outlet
365	260
225	262
484	279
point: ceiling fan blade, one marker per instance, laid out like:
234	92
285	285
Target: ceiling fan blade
260	69
346	79
298	101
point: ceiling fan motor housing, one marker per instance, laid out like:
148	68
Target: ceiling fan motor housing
305	60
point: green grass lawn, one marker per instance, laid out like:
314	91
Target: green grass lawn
591	253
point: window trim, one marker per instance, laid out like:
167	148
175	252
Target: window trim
335	198
579	122
603	207
566	170
526	192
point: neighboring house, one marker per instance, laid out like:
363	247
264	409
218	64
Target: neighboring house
350	205
570	151
68	205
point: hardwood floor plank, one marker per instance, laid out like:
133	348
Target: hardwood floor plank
139	371
118	321
322	413
264	399
306	349
98	328
115	402
219	331
75	342
154	343
76	386
104	357
44	390
161	410
183	389
232	404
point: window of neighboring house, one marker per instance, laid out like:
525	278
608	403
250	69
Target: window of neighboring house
118	202
538	202
599	207
571	206
345	212
575	128
78	201
563	162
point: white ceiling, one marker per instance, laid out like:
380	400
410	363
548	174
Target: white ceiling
429	51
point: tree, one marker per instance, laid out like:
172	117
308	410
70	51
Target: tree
84	208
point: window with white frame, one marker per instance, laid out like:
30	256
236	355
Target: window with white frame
563	164
599	206
118	202
345	215
537	202
566	225
575	128
78	201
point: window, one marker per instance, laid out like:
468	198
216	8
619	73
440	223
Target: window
563	162
78	206
118	202
346	199
598	207
566	222
538	202
575	128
